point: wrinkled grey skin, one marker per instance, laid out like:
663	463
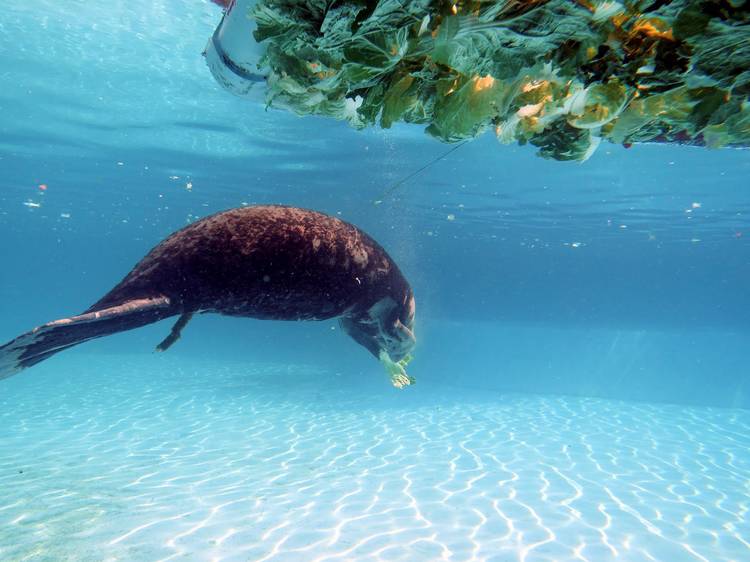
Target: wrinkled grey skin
387	326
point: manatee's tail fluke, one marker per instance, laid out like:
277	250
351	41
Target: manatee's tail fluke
44	341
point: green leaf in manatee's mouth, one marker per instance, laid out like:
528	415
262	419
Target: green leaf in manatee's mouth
397	370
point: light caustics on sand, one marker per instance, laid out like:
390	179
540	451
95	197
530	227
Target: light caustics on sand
125	460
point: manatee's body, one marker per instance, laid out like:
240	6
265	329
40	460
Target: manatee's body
268	262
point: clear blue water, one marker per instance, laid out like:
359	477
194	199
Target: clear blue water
583	389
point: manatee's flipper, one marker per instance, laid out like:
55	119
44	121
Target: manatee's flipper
176	332
44	341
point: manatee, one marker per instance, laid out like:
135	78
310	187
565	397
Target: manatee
265	262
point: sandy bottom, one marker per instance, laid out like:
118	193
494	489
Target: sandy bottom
133	459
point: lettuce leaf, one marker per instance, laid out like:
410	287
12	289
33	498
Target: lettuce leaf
557	74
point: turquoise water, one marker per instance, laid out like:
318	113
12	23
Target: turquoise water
583	389
116	457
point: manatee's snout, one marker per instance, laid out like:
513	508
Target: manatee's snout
401	342
386	326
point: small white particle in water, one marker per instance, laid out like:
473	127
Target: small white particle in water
65	215
174	177
688	211
32	204
429	233
695	240
121	163
576	245
189	186
451	217
696	205
623	226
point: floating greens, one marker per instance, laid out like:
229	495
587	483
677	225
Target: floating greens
559	74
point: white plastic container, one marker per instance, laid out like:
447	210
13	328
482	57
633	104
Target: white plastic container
232	54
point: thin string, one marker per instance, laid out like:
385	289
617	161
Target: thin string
390	190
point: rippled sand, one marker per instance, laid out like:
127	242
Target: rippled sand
128	458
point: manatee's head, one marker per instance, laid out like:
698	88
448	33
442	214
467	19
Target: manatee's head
386	326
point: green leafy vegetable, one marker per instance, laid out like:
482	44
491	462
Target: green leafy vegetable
561	75
397	370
